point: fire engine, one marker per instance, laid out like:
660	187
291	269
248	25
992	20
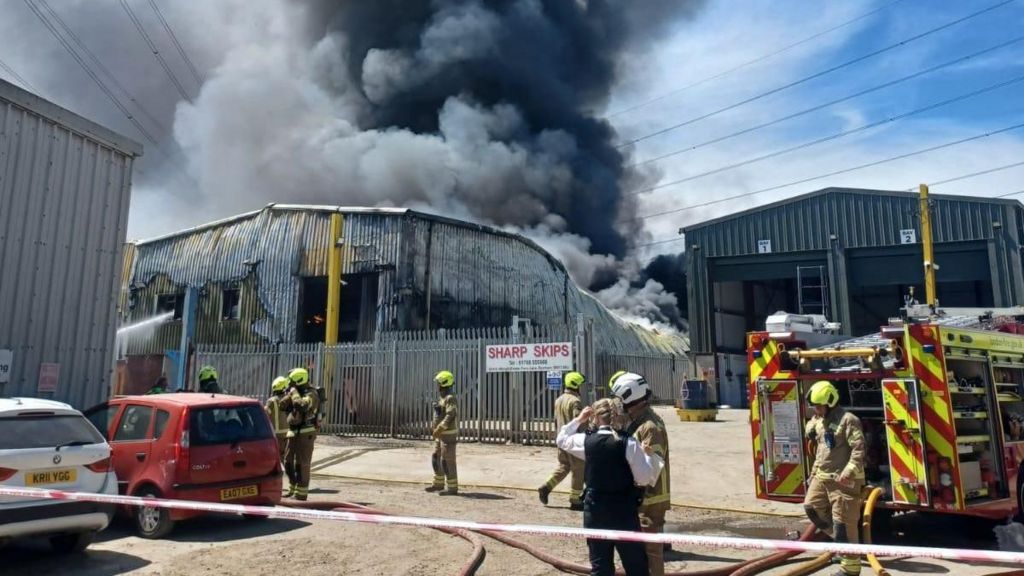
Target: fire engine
940	396
940	393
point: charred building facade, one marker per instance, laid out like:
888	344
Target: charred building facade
261	278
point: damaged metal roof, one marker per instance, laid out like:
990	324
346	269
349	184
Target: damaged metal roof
475	273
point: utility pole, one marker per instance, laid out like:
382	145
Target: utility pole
929	256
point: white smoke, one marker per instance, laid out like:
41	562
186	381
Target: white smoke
290	111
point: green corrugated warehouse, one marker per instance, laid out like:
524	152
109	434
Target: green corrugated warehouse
851	254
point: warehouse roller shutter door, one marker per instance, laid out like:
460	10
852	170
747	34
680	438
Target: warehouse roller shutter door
880	278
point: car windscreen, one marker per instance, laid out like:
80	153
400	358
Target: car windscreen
228	425
46	431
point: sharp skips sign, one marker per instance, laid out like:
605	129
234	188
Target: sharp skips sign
529	357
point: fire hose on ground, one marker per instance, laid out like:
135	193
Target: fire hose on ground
743	568
474	563
346	512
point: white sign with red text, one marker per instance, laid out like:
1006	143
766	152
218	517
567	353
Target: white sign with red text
529	357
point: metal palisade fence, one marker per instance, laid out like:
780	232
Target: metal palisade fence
385	388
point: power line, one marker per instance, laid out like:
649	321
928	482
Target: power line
152	47
1006	195
17	77
805	79
832	102
971	175
100	83
837	135
656	242
174	39
837	172
751	62
92	74
99	64
1009	194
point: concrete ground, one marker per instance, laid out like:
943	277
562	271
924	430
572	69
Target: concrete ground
711	463
712	470
712	484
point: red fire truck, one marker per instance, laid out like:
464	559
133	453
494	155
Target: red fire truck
940	395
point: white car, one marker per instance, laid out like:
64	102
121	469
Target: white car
47	444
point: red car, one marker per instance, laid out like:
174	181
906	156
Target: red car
189	446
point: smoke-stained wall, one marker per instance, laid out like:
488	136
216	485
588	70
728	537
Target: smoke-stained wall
465	275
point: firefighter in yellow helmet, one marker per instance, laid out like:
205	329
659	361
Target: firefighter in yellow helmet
302	404
833	498
445	431
209	381
649	429
567	408
278	416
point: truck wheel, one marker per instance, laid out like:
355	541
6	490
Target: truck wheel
71	543
152	523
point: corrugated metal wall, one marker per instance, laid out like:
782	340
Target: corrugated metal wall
65	185
477	276
856	219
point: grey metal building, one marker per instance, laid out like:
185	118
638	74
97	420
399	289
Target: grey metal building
65	184
850	254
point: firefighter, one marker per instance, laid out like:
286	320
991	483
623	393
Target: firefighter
208	380
616	467
302	404
160	387
649	429
445	431
278	416
833	498
567	407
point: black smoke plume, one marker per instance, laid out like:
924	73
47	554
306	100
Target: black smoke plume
551	63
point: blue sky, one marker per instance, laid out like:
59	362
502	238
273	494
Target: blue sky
725	35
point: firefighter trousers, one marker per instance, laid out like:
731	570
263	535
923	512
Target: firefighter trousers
613	512
828	501
444	463
282	445
652	519
298	458
568	464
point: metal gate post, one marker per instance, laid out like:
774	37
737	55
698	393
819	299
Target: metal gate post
394	382
480	390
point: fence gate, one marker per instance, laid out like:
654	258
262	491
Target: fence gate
385	388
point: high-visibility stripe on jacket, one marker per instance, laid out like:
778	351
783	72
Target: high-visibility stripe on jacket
446	416
648	428
567	407
845	433
278	417
302	410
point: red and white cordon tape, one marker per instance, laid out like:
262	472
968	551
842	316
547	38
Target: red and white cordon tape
561	531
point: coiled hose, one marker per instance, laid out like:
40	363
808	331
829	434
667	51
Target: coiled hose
744	568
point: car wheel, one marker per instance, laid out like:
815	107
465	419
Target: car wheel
152	523
71	543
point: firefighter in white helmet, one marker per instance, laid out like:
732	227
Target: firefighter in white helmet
833	498
649	429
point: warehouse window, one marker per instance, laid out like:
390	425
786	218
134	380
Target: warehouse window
171	303
230	308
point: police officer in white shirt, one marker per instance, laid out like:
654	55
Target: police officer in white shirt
616	469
